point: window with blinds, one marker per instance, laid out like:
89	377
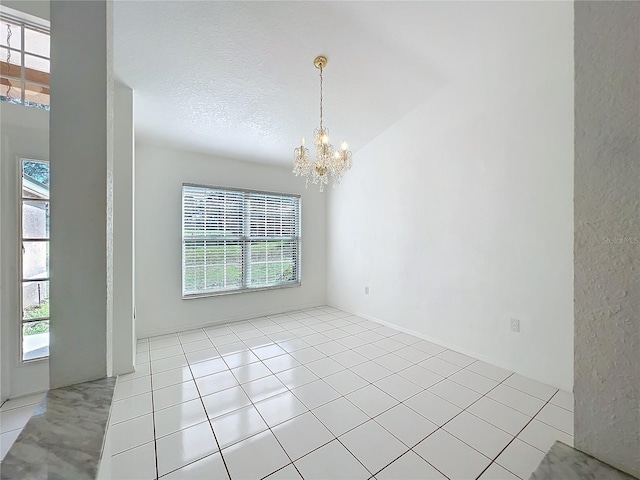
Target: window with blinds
238	240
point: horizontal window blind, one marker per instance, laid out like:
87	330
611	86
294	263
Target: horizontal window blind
234	240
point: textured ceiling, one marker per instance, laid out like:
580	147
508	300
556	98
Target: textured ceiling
236	78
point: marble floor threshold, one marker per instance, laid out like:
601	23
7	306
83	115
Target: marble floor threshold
64	437
567	463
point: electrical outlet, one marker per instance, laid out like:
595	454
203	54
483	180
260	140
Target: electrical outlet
366	290
515	325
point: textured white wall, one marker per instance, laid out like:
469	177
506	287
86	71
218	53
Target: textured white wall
24	133
78	149
459	217
160	172
607	232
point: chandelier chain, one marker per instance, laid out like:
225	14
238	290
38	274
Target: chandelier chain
9	34
320	97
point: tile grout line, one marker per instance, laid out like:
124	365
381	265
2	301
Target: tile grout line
441	427
215	437
270	428
153	419
514	438
344	368
349	368
348	349
252	403
342	396
465	410
321	378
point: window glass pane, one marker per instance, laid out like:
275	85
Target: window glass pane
37	69
36	42
12	66
273	216
10	90
16	35
29	194
193	281
258	272
212	265
271	273
222	276
258	252
37	94
35	340
10	83
211	212
35	175
35	260
35	300
35	219
273	262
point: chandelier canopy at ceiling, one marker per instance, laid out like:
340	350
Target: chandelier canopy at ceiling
328	162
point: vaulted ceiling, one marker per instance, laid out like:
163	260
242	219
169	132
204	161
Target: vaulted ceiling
237	79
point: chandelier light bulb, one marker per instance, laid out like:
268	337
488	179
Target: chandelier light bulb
328	162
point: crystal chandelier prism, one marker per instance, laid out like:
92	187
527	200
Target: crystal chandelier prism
328	162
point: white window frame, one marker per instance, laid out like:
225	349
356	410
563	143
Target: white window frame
21	280
245	240
32	23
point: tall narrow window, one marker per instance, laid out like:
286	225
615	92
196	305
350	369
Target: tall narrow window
34	258
238	240
24	62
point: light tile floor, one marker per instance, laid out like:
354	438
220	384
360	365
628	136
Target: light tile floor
324	394
14	415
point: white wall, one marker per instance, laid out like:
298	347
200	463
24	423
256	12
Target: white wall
36	8
24	133
459	216
160	172
607	221
123	333
78	149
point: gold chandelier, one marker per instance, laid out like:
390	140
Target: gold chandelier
329	162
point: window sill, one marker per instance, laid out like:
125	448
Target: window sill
243	290
33	361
